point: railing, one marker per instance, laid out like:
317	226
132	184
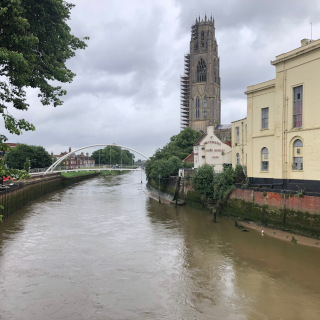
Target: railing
38	171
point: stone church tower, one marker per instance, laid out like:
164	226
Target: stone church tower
200	84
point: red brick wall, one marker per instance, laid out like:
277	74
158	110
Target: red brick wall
276	200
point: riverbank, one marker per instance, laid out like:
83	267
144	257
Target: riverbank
281	235
17	194
263	230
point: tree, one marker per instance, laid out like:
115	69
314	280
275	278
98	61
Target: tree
180	145
163	167
172	153
37	157
203	182
35	43
112	155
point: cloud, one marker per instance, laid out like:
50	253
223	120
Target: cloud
127	88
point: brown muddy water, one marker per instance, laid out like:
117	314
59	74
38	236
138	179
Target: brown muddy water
103	249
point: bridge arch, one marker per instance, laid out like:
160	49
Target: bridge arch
55	164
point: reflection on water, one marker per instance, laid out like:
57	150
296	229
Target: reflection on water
103	250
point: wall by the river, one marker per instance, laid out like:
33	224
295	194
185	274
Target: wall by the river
19	194
298	213
186	191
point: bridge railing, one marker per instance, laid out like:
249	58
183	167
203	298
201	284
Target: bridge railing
82	167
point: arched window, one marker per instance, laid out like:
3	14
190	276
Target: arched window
201	71
202	39
297	163
197	108
205	107
238	159
264	159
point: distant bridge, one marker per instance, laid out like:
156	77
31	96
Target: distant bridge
100	168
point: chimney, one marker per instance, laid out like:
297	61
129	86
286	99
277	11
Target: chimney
304	42
69	149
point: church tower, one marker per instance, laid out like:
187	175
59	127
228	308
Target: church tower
200	84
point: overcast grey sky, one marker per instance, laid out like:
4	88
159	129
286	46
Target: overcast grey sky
127	88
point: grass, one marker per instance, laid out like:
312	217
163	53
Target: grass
73	174
76	174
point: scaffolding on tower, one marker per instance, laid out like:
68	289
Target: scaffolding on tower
185	94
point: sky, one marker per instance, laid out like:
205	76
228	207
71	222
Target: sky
127	88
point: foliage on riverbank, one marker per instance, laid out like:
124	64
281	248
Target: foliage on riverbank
113	155
166	161
213	186
113	172
73	174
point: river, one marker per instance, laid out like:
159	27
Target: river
102	249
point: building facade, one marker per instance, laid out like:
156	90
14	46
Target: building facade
200	84
239	143
75	161
283	123
210	150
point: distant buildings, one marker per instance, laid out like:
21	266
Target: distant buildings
76	161
11	145
279	141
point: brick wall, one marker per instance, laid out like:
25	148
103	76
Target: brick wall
277	200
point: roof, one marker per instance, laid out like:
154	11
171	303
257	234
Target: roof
239	120
310	45
200	139
223	126
228	143
11	144
189	158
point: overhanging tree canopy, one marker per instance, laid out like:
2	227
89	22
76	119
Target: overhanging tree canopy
35	43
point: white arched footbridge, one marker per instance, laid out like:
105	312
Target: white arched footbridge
55	164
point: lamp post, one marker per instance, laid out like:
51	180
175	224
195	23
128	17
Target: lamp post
110	156
159	187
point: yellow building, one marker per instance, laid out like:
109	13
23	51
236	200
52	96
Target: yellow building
283	124
239	142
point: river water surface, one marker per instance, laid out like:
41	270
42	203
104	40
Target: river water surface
103	249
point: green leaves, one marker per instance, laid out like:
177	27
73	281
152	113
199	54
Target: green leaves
163	167
114	154
24	156
35	44
203	181
167	161
214	186
180	145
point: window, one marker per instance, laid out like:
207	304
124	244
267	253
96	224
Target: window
297	163
202	39
297	107
264	118
201	71
205	107
237	134
195	46
238	159
264	159
215	72
197	108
